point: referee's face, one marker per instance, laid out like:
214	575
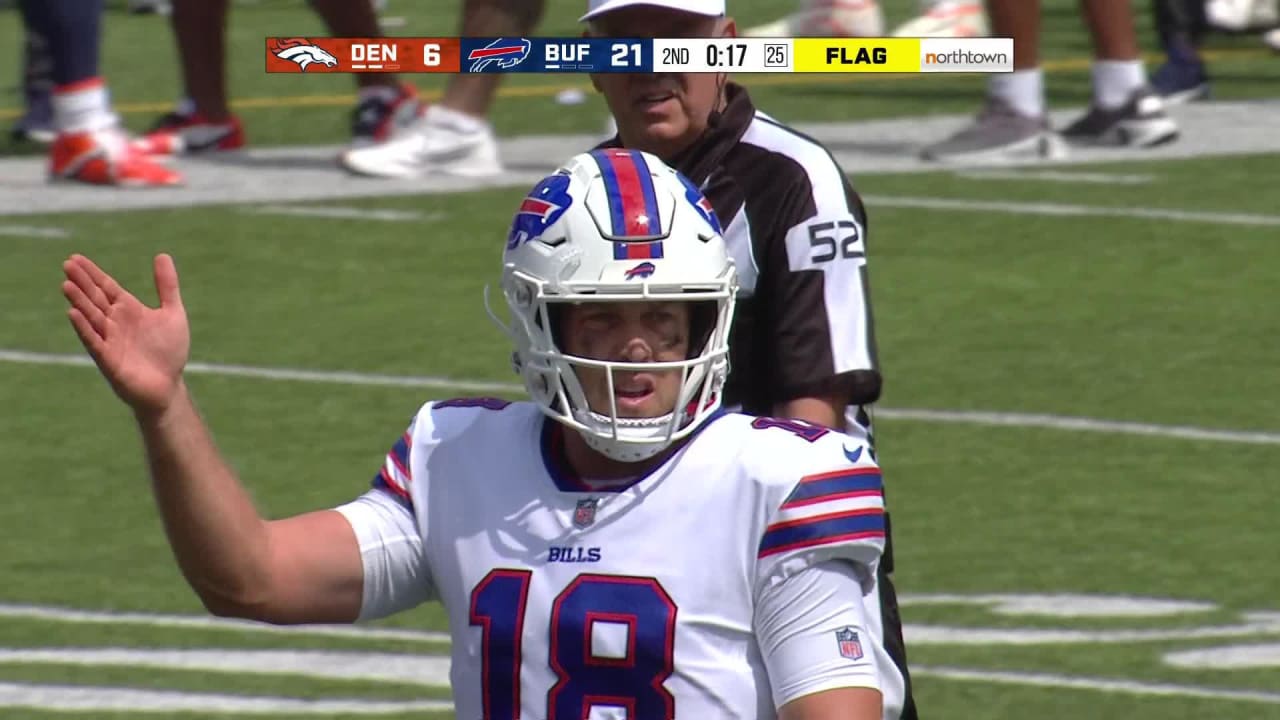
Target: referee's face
629	332
660	113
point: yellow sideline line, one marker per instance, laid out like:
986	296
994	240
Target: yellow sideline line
530	91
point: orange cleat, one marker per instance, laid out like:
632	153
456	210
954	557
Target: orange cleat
106	157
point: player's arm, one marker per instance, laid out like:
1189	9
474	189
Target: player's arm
814	673
300	569
826	411
815	565
820	318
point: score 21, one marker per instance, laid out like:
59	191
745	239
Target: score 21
626	56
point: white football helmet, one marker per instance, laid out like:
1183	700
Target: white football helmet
618	226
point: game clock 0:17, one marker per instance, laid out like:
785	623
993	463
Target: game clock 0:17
729	55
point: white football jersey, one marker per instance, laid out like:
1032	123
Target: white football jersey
635	601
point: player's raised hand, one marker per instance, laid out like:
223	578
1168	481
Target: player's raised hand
140	350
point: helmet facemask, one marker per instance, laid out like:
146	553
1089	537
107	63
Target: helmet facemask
552	378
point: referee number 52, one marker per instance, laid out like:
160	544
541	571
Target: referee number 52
835	240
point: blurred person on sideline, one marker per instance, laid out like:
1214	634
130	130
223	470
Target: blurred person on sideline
454	135
1014	123
89	146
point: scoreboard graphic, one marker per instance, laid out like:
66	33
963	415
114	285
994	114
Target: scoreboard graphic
638	55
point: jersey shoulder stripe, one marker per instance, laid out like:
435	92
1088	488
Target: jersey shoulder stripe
395	478
828	508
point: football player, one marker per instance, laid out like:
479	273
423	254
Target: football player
631	550
89	146
203	121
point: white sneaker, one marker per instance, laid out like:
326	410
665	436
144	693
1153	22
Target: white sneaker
827	18
947	19
439	143
1272	39
1240	15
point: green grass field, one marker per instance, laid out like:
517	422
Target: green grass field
1008	537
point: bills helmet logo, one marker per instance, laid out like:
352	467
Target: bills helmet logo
506	53
302	52
848	643
643	270
585	513
701	204
540	209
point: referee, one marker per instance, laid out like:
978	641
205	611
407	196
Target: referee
802	344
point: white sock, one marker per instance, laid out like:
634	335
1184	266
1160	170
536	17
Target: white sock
1022	90
460	121
82	107
1115	80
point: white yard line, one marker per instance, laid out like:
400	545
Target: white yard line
205	622
32	231
1080	424
339	212
1069	210
70	698
966	417
1126	687
1060	176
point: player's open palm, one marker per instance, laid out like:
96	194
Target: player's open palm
139	349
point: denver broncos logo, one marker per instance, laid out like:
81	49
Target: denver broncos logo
303	52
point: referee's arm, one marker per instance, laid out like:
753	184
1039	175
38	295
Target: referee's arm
819	323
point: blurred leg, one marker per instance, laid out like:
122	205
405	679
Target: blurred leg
472	93
355	18
200	29
1023	89
1117	66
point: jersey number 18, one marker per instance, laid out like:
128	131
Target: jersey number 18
582	678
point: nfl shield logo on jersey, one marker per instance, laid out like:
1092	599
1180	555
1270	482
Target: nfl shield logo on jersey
850	646
585	513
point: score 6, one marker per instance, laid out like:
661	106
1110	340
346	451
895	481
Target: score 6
431	54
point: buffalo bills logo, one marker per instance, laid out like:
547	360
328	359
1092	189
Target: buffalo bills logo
701	204
506	53
643	270
540	209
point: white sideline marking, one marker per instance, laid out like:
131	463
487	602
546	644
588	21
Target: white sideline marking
966	417
1065	210
1128	687
81	697
1234	657
264	373
921	635
339	212
1080	424
427	670
90	617
1063	605
31	231
1062	176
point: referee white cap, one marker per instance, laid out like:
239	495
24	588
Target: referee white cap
709	8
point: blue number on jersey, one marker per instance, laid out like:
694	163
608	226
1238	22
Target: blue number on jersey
498	606
801	428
